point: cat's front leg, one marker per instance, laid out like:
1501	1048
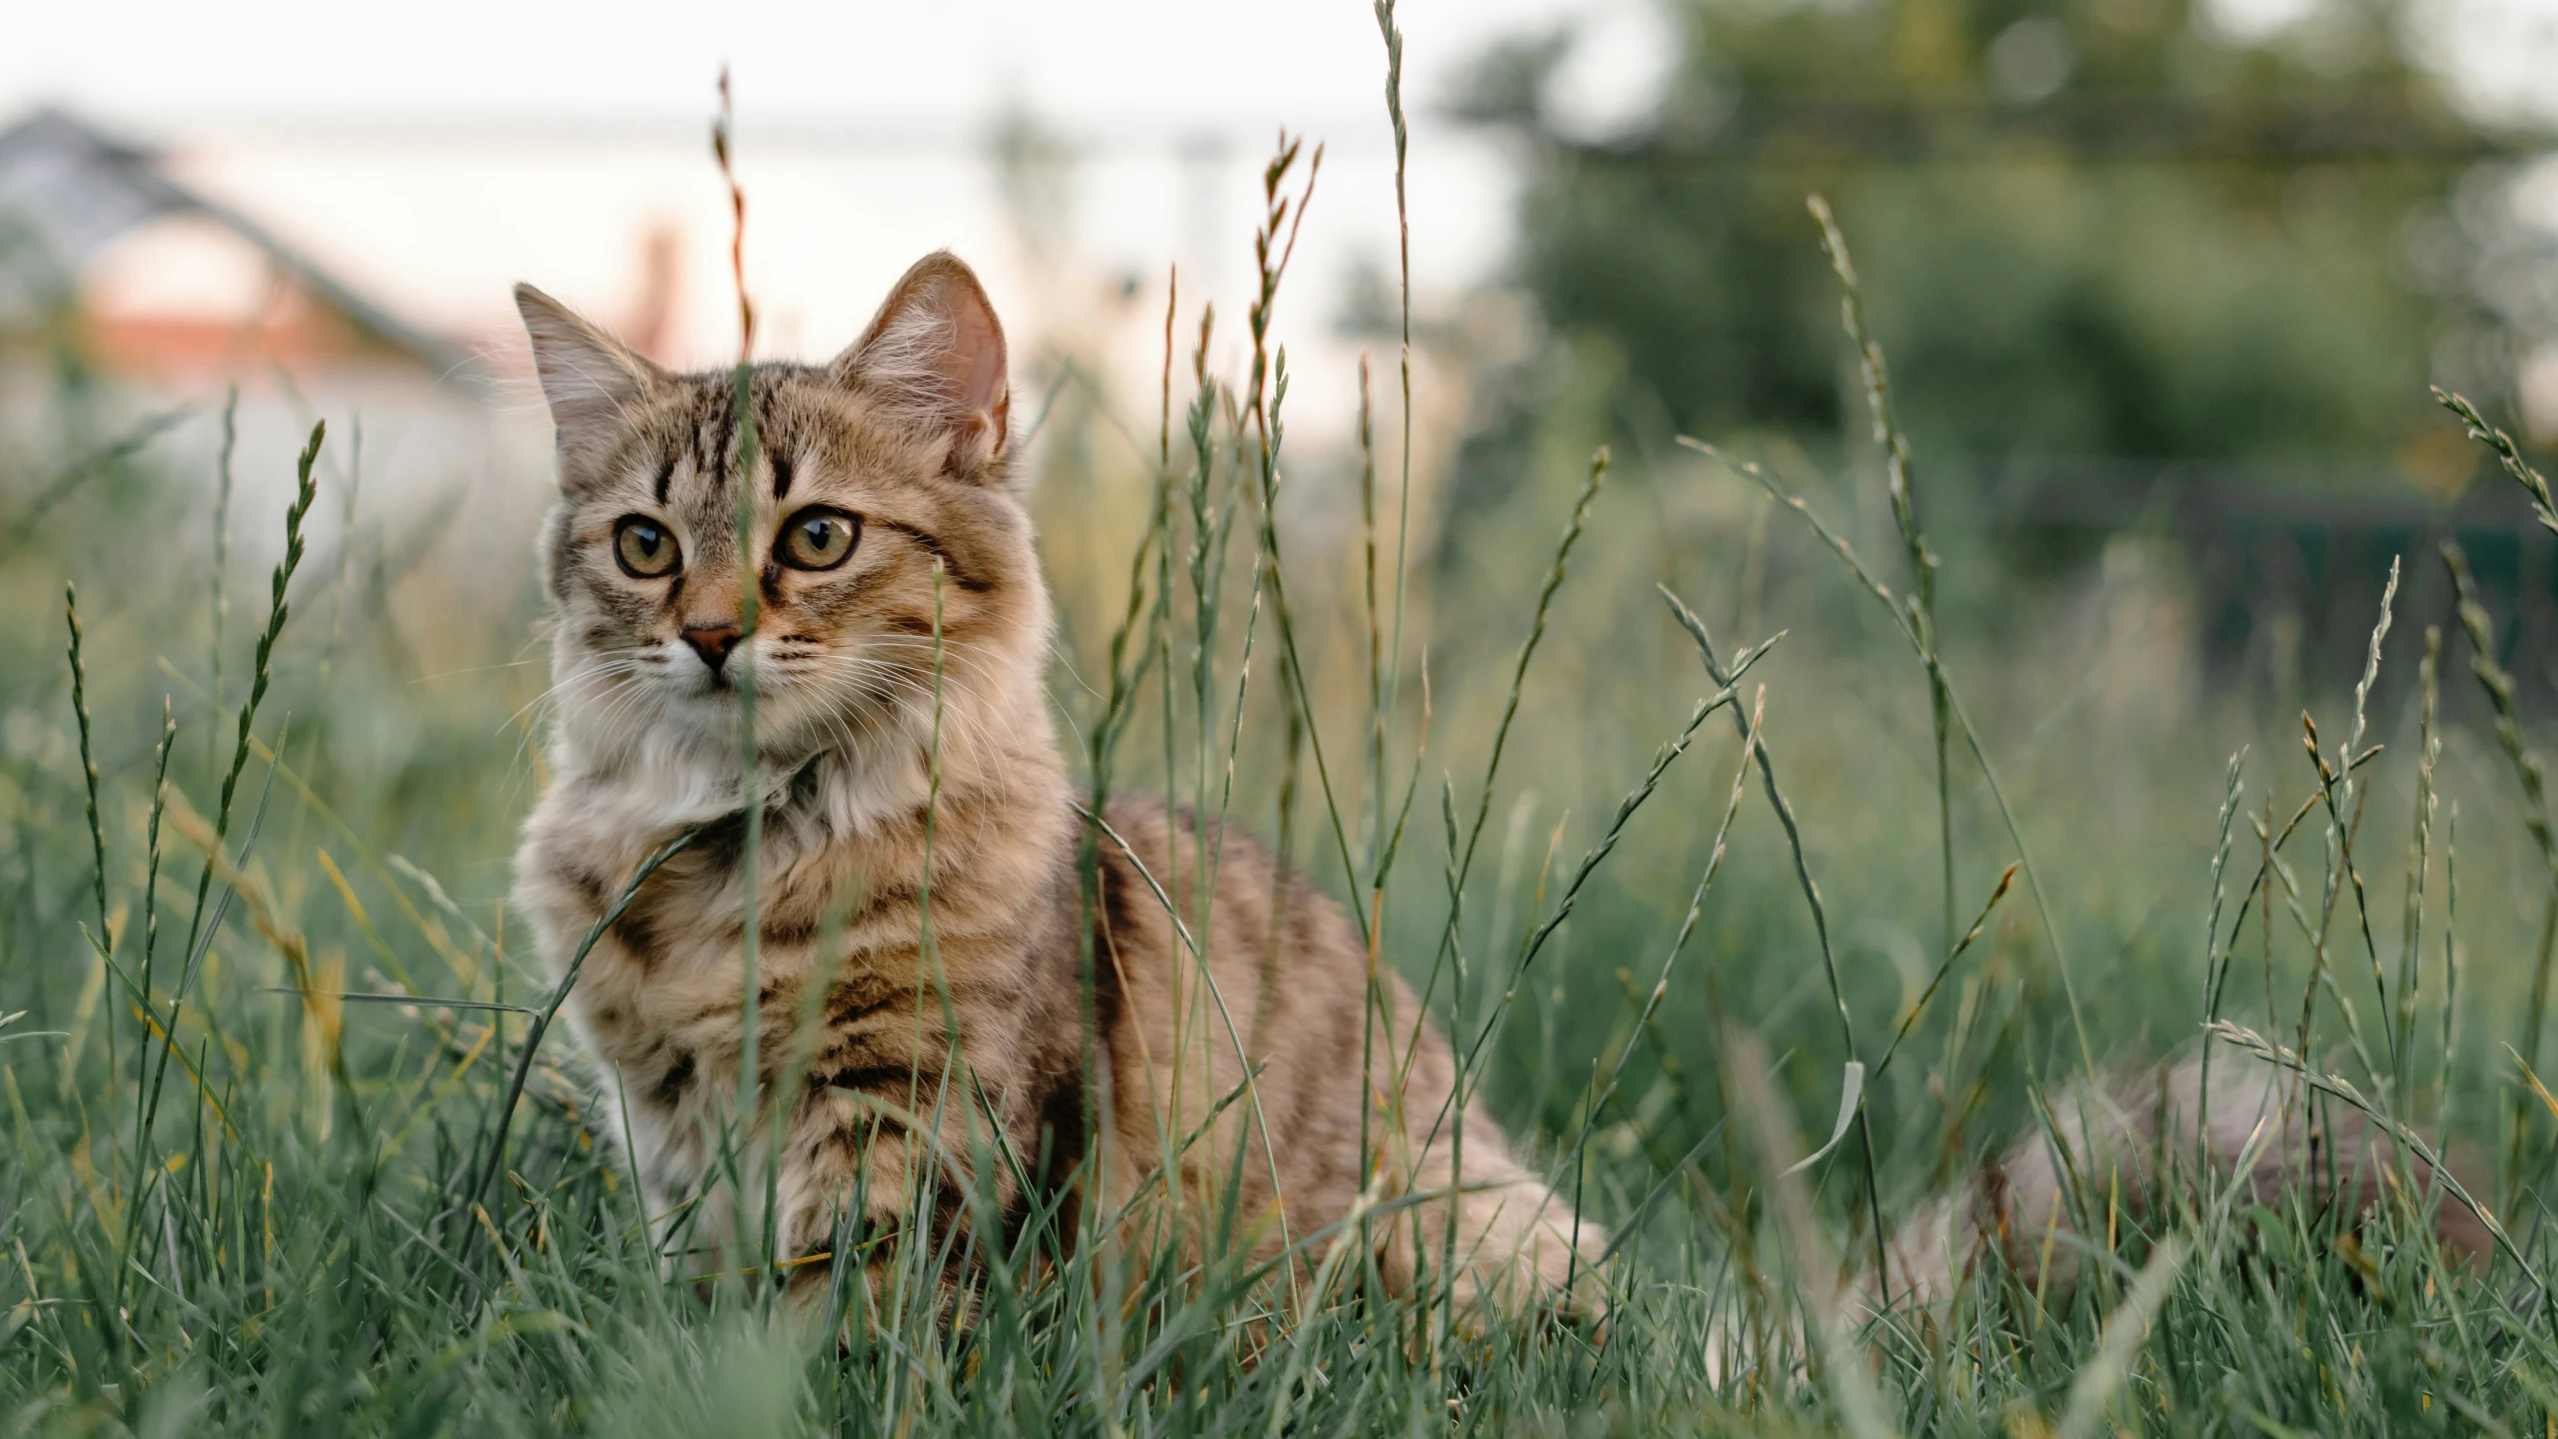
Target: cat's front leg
876	1188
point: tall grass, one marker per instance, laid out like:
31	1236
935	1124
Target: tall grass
376	1200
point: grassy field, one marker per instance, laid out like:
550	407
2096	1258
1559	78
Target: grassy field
2042	841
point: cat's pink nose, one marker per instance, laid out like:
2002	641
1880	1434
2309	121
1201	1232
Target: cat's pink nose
713	644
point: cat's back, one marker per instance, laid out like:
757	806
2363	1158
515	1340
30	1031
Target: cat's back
1263	923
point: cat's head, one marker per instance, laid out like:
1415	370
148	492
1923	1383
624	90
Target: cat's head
881	489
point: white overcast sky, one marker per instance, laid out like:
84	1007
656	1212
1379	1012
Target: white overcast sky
1178	57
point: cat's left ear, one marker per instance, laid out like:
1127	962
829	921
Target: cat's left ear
935	352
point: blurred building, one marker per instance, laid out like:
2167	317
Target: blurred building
158	281
134	307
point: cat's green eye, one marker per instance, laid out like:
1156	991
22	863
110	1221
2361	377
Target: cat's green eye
818	538
645	549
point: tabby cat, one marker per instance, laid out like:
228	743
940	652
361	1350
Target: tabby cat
922	921
920	840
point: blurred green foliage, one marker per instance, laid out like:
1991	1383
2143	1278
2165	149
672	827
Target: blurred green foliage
2114	226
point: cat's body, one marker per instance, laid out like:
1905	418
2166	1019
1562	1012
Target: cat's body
919	850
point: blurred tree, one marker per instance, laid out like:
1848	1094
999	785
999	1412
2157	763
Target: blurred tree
2086	227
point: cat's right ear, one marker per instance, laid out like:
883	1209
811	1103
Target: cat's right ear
594	383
